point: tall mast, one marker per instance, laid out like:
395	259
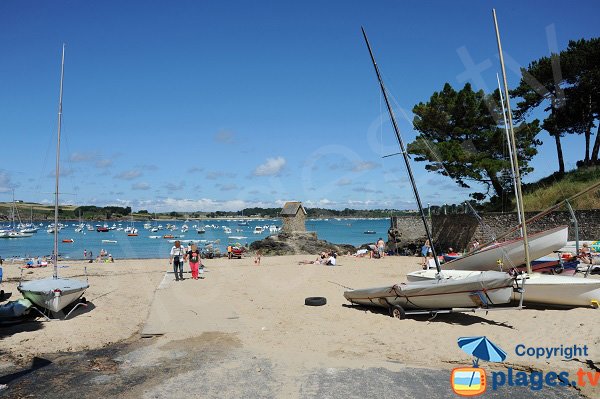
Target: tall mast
512	163
62	75
404	153
521	209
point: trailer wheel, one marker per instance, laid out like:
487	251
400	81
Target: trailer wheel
398	312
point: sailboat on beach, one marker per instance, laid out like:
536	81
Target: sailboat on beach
54	293
479	291
542	289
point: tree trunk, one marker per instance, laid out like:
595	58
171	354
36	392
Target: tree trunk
496	185
588	134
596	148
559	153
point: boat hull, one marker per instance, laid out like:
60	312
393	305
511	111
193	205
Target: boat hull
511	253
53	294
540	289
544	289
495	288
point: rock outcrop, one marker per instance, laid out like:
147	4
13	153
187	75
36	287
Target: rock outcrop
298	243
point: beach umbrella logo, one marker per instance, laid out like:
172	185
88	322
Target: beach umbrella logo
471	381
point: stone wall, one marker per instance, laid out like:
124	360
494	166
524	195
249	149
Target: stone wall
294	223
406	232
456	231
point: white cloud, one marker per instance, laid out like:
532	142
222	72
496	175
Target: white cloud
224	136
81	157
343	182
140	186
362	166
175	187
6	185
228	187
128	174
271	167
104	163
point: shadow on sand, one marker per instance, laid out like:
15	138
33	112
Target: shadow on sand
36	364
463	319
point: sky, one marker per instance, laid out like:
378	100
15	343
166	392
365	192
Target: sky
204	106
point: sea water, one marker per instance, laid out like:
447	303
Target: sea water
337	231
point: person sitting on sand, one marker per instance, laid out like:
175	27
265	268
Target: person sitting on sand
331	260
585	255
321	259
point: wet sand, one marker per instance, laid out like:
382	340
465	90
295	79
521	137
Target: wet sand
260	310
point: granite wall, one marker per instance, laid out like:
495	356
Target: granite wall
457	230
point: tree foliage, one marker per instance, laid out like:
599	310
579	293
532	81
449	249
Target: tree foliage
566	86
462	136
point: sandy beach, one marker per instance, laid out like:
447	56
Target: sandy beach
261	309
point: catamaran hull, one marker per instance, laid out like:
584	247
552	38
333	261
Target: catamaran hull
546	289
491	288
540	289
511	253
53	294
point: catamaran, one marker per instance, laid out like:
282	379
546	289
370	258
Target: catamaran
542	289
54	293
480	291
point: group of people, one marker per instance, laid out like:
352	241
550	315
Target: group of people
191	254
327	258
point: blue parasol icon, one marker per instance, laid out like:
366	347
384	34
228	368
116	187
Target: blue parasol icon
481	348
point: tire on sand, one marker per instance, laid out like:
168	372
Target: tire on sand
315	301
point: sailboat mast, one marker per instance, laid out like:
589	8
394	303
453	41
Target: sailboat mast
521	209
404	153
512	163
62	75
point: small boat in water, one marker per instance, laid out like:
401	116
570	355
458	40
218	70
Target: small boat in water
109	241
68	240
370	232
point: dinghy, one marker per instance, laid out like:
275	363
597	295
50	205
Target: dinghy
511	253
54	293
479	291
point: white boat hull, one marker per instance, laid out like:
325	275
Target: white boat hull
511	253
540	289
439	294
547	289
53	294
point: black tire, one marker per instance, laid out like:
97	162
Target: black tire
315	301
398	312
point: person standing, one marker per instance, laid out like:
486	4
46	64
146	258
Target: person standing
229	251
85	254
176	258
381	247
193	257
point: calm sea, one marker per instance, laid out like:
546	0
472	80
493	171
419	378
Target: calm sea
338	231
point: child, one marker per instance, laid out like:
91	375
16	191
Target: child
257	257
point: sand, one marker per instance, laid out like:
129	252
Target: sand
263	307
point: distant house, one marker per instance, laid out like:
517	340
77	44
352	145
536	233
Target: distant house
293	215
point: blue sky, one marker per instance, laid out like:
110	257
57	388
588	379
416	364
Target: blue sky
193	105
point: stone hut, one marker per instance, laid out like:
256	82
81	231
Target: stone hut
293	216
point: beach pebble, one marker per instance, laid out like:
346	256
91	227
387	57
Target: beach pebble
3	387
258	370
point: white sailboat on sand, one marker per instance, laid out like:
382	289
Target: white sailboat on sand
542	289
55	293
511	252
437	295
